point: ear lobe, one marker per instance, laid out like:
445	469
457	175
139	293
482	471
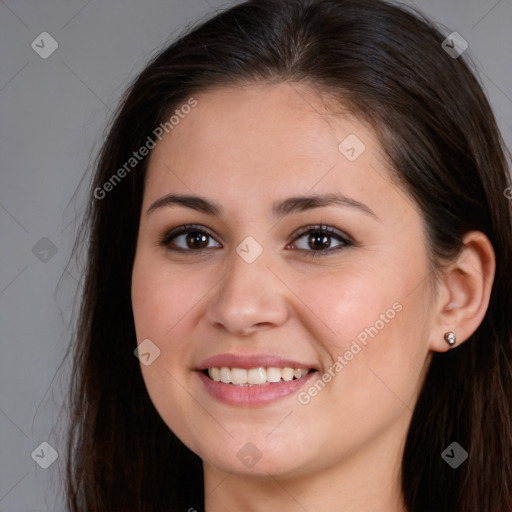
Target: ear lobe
467	285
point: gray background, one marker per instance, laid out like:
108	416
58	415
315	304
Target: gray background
53	112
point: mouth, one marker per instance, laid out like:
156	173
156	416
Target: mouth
259	376
253	380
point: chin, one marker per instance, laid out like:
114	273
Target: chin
263	469
258	460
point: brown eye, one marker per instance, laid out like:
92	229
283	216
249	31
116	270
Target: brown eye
318	240
187	238
196	240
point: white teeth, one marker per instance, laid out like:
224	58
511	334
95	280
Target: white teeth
225	375
255	376
214	374
273	374
287	374
238	376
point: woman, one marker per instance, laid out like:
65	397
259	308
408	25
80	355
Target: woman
299	226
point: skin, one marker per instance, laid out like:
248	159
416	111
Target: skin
244	148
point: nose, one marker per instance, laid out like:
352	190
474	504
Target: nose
250	297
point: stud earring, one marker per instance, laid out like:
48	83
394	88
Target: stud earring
450	338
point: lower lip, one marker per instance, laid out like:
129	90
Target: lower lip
252	395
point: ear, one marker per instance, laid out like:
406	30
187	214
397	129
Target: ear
464	291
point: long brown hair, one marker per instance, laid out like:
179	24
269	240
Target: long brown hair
388	65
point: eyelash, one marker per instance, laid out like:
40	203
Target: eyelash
319	228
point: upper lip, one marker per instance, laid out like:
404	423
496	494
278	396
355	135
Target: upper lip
251	361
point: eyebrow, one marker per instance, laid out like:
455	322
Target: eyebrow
279	208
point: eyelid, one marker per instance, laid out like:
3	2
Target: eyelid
179	230
324	228
346	239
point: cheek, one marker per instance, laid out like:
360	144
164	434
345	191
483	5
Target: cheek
162	296
369	322
350	304
161	300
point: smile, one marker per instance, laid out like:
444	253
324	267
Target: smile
255	376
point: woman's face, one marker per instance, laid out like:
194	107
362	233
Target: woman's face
247	287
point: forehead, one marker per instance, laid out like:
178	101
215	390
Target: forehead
286	119
256	141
